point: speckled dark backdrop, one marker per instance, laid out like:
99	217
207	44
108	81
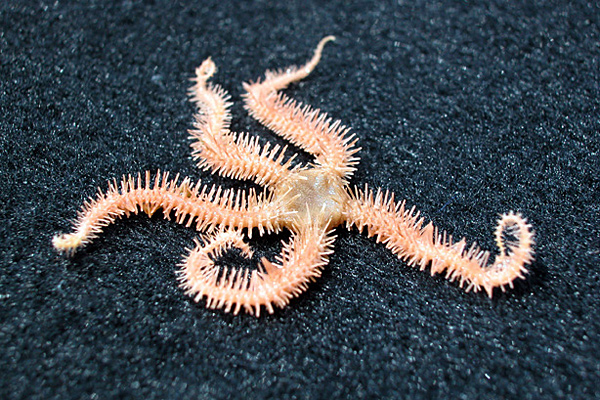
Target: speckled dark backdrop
466	109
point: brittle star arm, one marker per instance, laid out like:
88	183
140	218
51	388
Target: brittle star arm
189	204
229	154
301	261
402	231
307	128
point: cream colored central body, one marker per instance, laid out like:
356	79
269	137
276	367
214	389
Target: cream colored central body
315	195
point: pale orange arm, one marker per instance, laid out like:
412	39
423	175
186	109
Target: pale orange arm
229	154
307	128
206	208
403	232
232	289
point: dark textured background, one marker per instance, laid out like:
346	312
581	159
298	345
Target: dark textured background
465	110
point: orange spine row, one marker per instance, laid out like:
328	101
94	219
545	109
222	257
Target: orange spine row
402	231
240	156
307	128
189	204
301	262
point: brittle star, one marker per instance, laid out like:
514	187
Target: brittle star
309	200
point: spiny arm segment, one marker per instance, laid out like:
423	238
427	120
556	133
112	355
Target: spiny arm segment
402	231
189	203
212	100
273	284
302	125
217	148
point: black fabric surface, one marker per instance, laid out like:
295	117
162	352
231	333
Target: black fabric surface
466	109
